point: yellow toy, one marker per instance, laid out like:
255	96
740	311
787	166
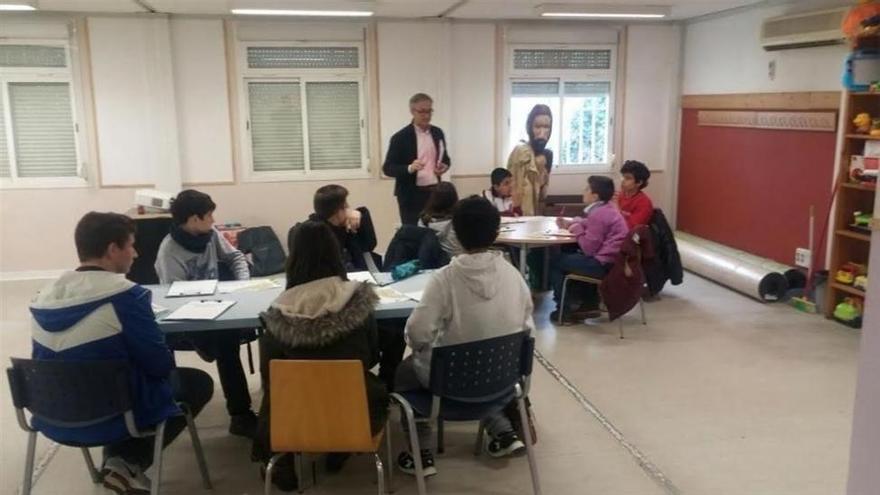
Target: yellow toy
862	123
875	127
854	25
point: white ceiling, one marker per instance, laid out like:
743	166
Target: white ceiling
461	9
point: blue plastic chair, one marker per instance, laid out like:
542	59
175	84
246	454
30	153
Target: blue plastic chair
468	382
79	394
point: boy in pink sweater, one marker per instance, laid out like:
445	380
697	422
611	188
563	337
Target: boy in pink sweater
600	232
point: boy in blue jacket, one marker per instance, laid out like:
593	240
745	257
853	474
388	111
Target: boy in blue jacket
95	313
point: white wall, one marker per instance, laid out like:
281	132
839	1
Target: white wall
724	55
163	115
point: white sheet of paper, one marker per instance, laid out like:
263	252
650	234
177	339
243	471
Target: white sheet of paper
415	295
192	288
387	295
200	310
361	277
158	309
231	286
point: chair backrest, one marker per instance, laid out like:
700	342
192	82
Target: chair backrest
264	248
70	394
482	370
318	406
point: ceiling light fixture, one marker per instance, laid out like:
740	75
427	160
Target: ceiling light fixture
571	11
310	13
17	6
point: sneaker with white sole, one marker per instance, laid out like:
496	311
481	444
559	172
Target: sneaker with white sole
407	464
506	444
124	478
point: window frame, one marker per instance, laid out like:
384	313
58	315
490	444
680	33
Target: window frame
303	77
563	76
67	74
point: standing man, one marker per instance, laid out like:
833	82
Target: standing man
417	158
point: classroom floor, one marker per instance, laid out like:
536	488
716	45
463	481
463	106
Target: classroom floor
718	395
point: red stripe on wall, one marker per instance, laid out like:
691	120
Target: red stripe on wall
751	189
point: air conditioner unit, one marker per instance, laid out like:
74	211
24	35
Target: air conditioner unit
818	28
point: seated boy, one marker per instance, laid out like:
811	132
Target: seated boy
94	313
634	204
193	251
477	296
501	193
600	233
331	206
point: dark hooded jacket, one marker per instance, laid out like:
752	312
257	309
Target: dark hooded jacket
324	319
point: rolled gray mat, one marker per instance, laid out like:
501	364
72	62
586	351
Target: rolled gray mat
756	277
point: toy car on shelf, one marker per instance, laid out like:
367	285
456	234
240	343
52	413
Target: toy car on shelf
861	282
849	312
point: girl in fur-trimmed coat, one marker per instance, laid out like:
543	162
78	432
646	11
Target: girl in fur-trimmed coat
321	315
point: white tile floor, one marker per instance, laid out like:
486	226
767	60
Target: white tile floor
718	393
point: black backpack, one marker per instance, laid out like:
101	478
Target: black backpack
264	249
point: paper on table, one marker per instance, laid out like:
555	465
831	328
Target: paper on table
158	309
192	288
415	295
559	233
200	310
361	277
387	295
246	285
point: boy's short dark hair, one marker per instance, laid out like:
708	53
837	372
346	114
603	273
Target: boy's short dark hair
602	186
96	231
476	223
188	203
639	172
329	199
499	174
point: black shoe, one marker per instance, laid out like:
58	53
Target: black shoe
243	425
283	476
505	445
567	318
335	461
407	464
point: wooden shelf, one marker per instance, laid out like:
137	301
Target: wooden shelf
864	93
848	289
865	137
854	235
858	187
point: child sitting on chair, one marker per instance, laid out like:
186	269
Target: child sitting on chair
501	193
600	232
437	216
634	204
477	296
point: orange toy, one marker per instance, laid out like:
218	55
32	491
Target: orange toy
852	23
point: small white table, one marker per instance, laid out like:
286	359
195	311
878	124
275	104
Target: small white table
529	232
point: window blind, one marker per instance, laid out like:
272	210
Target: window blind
43	129
587	88
32	56
4	148
544	88
276	126
302	57
334	125
564	59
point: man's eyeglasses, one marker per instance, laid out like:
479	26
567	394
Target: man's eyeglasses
424	112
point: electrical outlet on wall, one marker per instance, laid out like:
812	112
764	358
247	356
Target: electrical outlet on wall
803	257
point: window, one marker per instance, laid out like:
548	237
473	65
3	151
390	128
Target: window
38	126
304	110
577	83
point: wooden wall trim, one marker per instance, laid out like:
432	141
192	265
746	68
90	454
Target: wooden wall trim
815	100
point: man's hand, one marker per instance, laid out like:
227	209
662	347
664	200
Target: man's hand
352	220
415	166
441	168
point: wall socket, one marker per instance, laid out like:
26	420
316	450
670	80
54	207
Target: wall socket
803	257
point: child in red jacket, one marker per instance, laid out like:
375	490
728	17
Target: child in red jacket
634	204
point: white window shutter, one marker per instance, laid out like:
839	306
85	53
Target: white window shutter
535	88
276	126
334	125
4	148
43	129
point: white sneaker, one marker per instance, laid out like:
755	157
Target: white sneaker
124	478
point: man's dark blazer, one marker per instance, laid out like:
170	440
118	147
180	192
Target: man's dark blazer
402	150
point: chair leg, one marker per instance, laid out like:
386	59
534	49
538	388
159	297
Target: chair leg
197	447
380	474
390	453
29	464
414	447
478	445
642	307
298	466
96	476
440	446
250	354
561	308
157	459
527	432
267	489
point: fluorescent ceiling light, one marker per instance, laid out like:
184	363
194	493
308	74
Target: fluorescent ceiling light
313	13
17	6
581	11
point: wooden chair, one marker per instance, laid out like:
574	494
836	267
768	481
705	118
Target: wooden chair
320	406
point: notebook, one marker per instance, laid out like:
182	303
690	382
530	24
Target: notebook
381	278
192	288
200	310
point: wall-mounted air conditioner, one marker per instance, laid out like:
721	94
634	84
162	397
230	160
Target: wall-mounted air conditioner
819	28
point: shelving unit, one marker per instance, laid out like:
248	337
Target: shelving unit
847	244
